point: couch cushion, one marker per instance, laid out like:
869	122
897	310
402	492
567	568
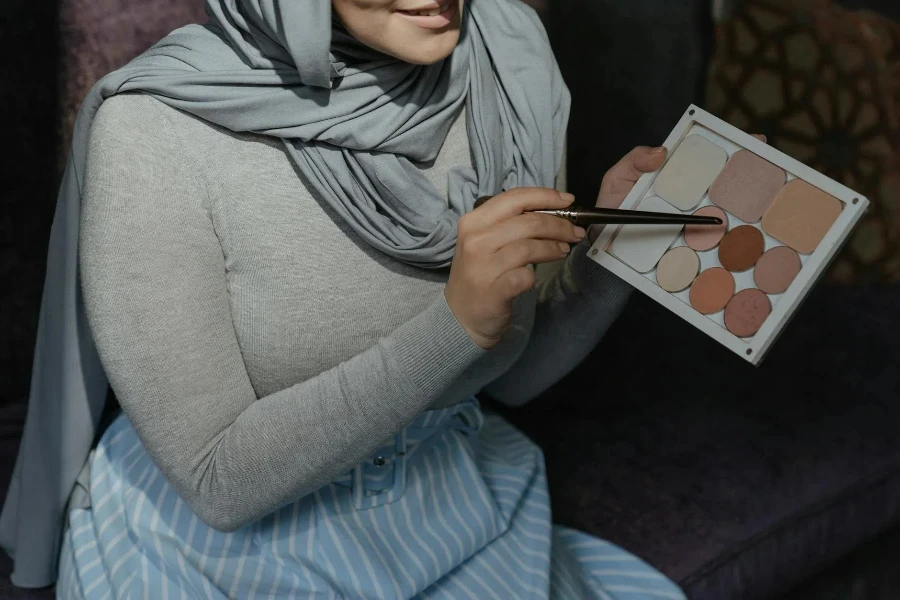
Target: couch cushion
738	482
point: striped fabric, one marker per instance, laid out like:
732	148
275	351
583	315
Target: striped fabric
455	508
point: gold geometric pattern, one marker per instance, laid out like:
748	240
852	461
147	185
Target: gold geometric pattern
823	83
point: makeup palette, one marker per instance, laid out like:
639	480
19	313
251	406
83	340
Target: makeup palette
742	281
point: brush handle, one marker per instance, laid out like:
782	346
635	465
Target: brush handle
610	216
615	216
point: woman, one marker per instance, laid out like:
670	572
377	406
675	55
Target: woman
269	207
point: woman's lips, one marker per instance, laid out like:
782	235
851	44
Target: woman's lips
433	16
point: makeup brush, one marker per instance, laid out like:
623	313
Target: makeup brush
614	216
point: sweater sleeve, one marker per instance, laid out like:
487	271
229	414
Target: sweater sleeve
154	285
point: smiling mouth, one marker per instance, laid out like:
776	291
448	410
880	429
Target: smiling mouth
437	16
432	11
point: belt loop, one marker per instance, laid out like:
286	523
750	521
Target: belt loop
393	460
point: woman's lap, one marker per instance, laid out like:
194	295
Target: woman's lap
460	511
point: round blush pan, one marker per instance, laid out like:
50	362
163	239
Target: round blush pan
677	269
712	290
746	312
706	237
776	269
741	248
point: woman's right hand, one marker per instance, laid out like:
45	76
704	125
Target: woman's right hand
496	244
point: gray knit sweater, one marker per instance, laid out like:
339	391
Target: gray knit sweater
258	346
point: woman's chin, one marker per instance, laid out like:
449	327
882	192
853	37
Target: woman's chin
433	51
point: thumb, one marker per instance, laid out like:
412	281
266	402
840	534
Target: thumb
648	159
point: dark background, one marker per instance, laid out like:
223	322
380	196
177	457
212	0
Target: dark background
29	78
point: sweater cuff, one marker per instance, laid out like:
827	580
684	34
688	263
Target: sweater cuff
433	349
593	282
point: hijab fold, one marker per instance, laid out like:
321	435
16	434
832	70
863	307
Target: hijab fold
355	122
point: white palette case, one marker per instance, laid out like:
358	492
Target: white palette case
731	139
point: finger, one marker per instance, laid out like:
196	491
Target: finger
647	160
527	226
642	159
517	201
619	180
515	282
527	252
761	137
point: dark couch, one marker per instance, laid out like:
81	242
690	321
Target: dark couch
736	482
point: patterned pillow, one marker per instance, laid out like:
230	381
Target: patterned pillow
823	83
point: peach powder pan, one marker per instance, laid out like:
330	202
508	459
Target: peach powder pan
742	282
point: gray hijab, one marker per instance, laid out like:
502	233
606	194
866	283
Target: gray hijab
354	121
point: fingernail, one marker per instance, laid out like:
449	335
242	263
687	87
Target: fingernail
567	196
658	149
564	248
579	232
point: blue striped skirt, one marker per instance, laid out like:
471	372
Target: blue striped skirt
456	507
